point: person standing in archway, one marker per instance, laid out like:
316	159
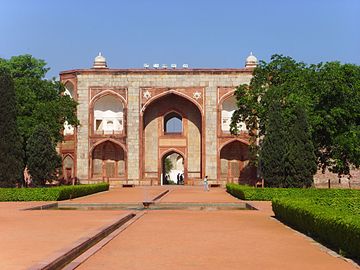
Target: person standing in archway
206	186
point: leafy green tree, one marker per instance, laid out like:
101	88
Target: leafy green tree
43	160
329	94
335	115
11	151
39	101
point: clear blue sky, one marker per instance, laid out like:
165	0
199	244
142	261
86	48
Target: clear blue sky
203	33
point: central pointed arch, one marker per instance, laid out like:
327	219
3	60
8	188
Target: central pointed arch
170	92
155	139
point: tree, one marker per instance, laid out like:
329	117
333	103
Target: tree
11	151
39	101
273	148
335	91
43	160
299	160
329	94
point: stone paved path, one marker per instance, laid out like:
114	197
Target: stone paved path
183	239
122	195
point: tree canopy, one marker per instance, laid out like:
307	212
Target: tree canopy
329	94
39	100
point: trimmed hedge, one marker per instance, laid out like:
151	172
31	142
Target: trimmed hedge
334	221
51	193
267	194
260	194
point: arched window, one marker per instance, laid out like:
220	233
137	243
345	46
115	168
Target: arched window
228	108
108	115
173	123
69	91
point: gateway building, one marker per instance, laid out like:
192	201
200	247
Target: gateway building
135	122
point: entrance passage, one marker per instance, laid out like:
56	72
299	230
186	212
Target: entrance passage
173	169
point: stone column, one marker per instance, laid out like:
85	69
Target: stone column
210	132
83	129
133	142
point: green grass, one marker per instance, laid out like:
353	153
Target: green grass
50	193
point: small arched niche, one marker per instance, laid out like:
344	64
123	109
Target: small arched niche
234	163
68	167
108	115
108	161
173	123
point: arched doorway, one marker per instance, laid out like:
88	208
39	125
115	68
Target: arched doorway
108	161
172	169
234	163
171	122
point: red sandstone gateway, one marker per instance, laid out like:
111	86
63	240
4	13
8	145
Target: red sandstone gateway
134	121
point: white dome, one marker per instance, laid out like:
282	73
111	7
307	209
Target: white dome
100	61
100	58
251	61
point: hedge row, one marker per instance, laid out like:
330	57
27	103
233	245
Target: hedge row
51	193
267	194
259	194
334	221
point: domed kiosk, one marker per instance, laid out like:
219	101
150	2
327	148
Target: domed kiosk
100	61
251	61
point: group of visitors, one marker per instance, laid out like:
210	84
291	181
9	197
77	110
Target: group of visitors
180	179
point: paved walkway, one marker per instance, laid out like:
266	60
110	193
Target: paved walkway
122	195
197	194
161	239
182	239
211	240
28	238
